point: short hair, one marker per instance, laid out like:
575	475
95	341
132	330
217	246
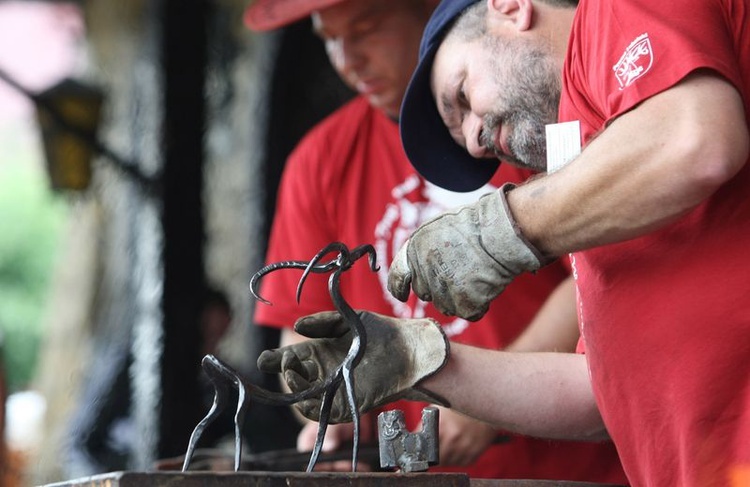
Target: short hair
471	24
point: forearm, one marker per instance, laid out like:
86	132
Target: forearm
545	395
646	169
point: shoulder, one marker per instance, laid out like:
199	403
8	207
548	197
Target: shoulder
339	136
622	53
340	125
324	152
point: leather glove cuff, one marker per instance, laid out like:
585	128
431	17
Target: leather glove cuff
498	228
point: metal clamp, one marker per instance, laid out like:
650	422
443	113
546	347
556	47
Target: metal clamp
410	452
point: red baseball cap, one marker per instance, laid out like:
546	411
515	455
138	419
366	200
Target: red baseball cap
271	14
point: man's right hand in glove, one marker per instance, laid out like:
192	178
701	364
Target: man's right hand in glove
398	355
463	259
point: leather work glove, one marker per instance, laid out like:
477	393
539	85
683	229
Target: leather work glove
398	355
463	259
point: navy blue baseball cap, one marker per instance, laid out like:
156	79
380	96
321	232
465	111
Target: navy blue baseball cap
427	142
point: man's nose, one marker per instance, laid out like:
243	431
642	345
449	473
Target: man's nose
472	128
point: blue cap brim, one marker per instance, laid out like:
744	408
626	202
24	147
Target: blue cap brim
426	140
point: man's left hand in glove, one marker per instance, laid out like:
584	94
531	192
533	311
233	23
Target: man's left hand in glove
399	354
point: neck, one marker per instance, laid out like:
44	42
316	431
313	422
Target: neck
555	23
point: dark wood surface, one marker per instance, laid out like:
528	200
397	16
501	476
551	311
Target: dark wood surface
300	479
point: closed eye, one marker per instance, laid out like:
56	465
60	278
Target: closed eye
463	101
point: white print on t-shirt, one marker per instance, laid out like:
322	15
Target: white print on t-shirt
414	202
635	61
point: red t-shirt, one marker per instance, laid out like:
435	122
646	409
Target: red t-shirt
666	317
350	181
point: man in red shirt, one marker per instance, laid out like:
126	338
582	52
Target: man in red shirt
654	210
350	181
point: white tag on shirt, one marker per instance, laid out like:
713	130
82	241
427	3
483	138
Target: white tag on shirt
563	144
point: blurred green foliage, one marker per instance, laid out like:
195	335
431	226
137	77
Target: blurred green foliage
31	220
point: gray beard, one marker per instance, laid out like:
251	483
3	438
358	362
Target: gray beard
531	94
528	143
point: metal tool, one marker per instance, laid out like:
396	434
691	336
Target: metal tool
222	376
410	452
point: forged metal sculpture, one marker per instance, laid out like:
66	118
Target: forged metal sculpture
223	377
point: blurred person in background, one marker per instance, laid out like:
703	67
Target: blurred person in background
102	433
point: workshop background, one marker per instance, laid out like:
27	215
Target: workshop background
196	117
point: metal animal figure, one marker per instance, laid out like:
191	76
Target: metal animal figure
222	375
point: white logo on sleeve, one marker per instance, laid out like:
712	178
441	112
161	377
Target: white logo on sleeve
635	61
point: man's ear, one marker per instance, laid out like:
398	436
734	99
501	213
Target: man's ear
516	13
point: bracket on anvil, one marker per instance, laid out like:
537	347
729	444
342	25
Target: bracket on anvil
400	448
